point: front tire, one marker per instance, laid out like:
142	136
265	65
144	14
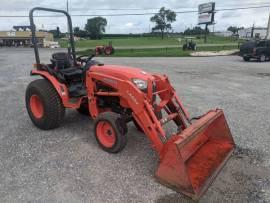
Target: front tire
110	132
44	105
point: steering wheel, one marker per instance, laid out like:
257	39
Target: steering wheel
84	58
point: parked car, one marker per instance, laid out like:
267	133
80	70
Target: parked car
259	50
54	46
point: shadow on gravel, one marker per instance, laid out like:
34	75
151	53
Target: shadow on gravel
263	75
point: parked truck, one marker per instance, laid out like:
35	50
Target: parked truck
259	50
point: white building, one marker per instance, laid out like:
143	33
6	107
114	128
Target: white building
257	32
223	33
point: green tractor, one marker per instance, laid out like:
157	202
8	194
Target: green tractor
189	44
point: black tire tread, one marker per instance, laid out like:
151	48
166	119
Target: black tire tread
119	128
53	107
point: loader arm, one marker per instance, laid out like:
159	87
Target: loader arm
190	158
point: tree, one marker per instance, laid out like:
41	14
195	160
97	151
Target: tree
76	30
56	33
79	33
234	29
195	31
163	20
95	27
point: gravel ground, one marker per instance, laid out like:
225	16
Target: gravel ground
66	164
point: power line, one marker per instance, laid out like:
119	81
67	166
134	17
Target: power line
143	9
243	8
133	14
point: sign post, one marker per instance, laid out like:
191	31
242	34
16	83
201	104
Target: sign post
206	16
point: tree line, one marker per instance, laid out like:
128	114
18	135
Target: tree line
96	27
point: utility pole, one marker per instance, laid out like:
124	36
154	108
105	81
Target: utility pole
67	5
268	29
205	33
67	12
252	30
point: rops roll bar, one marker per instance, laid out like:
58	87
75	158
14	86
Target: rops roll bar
33	30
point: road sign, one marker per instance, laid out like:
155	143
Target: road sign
206	18
206	13
11	34
208	7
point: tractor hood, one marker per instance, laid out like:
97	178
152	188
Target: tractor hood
122	72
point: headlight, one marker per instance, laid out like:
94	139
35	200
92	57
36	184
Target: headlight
141	84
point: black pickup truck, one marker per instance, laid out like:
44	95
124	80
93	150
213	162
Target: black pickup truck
259	50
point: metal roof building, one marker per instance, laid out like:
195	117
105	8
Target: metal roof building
23	38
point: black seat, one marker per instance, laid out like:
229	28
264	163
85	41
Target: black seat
61	60
72	76
62	63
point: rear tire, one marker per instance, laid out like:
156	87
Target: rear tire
44	105
108	51
110	130
245	58
184	47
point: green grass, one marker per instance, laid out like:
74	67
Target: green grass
124	42
159	52
146	41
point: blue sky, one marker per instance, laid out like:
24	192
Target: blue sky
134	24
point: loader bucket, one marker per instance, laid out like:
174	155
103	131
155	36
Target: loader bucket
191	160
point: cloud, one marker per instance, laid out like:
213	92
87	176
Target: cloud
132	24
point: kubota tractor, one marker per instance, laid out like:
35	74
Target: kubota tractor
114	95
104	49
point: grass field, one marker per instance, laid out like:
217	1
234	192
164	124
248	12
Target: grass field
159	52
154	46
146	41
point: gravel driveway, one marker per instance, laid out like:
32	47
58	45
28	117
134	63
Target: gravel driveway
66	164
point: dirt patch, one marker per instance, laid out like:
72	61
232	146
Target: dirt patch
215	53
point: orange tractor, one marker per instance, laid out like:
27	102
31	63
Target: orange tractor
104	49
113	95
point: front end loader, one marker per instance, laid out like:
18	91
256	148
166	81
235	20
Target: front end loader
190	158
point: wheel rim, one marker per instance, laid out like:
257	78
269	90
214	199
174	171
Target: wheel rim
36	106
105	134
263	58
108	51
